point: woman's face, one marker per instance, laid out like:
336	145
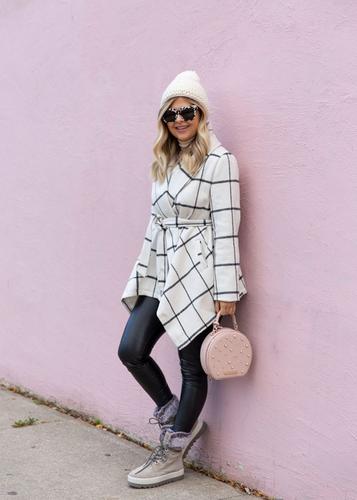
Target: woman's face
179	128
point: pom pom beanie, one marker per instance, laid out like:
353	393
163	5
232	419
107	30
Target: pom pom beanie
186	84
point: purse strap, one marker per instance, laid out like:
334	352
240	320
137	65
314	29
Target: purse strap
216	324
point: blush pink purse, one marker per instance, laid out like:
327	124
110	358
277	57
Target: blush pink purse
225	352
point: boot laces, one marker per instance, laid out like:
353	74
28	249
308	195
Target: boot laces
157	421
154	420
159	454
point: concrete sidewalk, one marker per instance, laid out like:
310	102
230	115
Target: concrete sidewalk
61	457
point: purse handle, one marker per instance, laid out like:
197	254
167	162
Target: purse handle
217	326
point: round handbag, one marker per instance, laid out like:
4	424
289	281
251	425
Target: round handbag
225	352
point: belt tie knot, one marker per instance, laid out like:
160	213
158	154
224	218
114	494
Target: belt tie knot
160	243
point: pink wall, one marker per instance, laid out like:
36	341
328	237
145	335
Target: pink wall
80	85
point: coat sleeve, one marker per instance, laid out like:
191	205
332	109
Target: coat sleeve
144	255
145	252
225	212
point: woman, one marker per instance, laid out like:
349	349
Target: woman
188	270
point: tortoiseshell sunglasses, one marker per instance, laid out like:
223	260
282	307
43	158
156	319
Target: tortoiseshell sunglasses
187	113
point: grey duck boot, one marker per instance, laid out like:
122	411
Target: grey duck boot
165	464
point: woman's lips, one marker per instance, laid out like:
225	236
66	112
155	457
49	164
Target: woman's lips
180	129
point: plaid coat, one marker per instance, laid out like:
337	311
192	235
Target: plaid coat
190	254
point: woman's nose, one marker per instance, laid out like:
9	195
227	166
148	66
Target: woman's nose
179	118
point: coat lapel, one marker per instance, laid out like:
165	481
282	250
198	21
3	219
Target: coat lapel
162	200
183	178
165	195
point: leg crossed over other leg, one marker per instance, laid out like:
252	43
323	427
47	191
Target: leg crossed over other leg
178	420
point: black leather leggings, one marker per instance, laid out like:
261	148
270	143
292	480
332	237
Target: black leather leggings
142	331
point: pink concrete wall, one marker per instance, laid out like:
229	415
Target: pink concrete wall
80	85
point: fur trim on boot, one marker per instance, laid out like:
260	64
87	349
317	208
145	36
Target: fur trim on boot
165	415
182	441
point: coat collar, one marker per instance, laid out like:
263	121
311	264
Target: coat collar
214	141
214	144
164	197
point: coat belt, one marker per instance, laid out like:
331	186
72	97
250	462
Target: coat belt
179	221
158	241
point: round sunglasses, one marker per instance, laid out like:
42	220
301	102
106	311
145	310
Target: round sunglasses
186	112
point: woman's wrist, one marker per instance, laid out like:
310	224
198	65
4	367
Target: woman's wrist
224	307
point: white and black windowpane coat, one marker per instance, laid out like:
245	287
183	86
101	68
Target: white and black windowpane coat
190	254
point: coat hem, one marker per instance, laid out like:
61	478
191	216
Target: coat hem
204	327
129	301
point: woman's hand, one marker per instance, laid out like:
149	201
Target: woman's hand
225	307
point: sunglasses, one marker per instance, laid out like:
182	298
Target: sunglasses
186	112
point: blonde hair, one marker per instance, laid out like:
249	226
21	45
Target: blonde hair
167	151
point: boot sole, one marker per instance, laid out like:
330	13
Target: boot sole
152	482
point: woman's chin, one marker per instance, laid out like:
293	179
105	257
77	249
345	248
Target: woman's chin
184	137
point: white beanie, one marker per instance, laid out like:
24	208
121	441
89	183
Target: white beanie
186	84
